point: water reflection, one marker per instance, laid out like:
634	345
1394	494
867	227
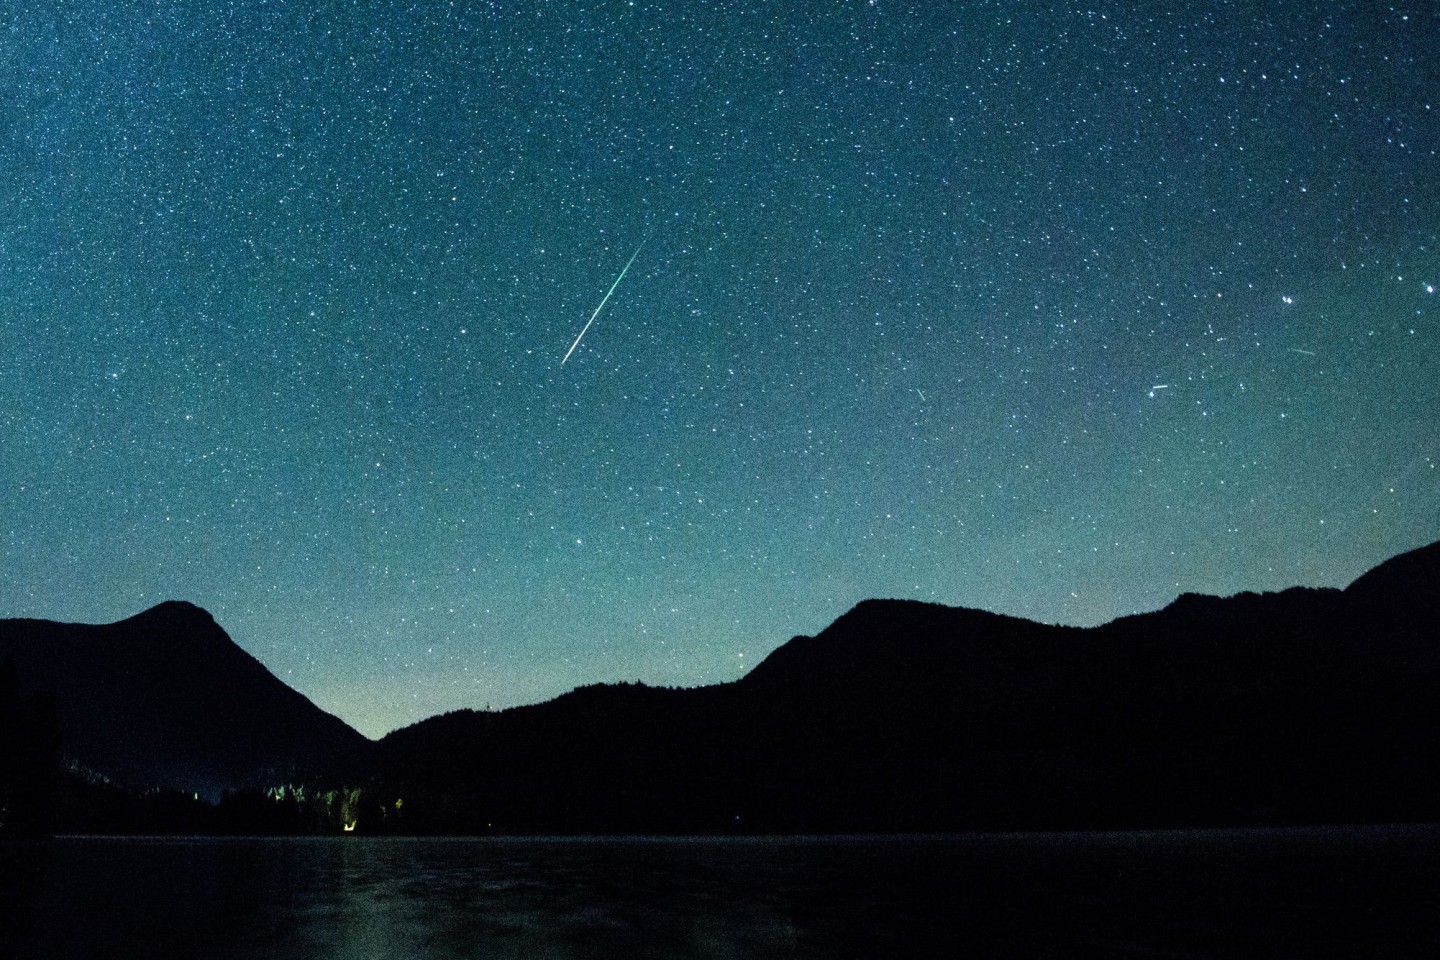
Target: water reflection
1266	893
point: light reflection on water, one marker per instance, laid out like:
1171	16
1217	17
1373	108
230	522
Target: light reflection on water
389	898
1373	891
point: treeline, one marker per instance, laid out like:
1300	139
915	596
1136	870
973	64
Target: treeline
81	803
86	805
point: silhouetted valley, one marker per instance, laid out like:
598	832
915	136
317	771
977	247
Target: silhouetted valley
1303	706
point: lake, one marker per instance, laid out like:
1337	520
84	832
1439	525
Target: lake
1372	891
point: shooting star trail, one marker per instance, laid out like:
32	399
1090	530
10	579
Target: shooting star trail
603	301
1308	353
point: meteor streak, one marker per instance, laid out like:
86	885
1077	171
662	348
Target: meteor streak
603	301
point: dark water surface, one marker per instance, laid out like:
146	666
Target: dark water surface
1361	892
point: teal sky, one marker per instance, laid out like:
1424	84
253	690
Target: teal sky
1052	310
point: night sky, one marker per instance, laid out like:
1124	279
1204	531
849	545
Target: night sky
1051	310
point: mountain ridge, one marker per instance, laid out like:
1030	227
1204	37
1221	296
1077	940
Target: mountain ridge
166	697
1299	705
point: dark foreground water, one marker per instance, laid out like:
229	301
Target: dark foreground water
1366	892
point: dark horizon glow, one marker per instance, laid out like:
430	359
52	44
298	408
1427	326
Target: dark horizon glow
1053	311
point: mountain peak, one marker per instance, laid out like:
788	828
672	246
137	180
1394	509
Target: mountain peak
166	697
1413	573
887	617
175	619
177	608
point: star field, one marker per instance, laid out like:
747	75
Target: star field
1054	310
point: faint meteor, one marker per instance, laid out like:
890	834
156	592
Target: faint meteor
603	301
1308	353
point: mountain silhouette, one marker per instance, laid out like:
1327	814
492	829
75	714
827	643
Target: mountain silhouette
1307	705
166	698
1302	706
